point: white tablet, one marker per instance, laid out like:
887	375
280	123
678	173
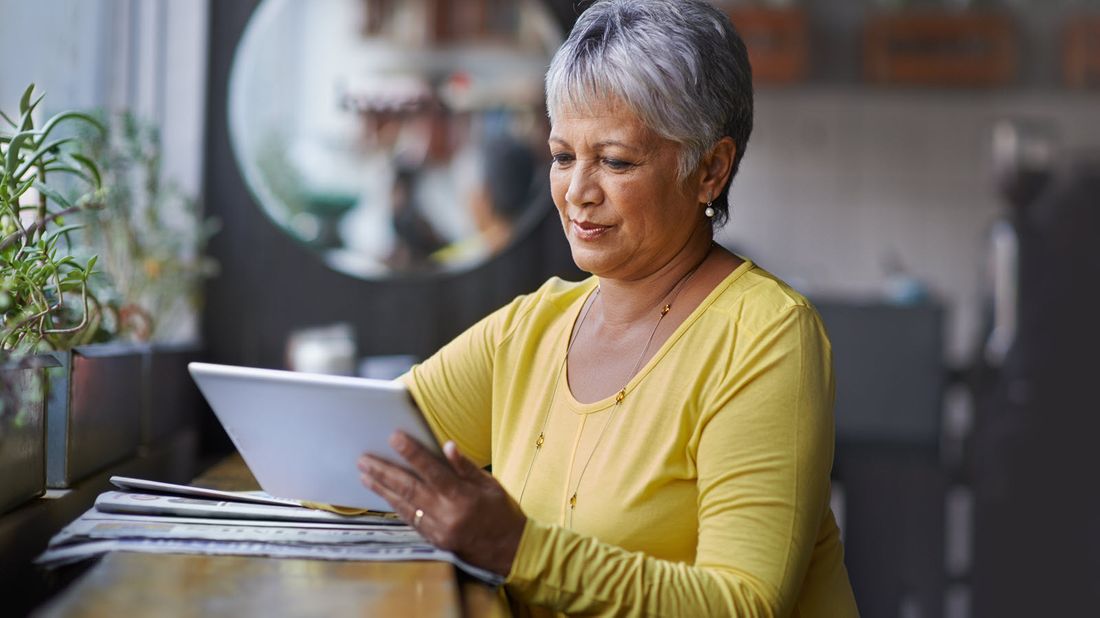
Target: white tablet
302	434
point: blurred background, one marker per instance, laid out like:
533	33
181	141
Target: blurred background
925	170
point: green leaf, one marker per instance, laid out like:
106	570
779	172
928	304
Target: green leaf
42	151
66	229
53	195
25	100
8	119
17	144
91	263
21	189
68	169
28	115
78	172
90	166
88	118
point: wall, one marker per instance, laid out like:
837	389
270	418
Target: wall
270	285
145	56
838	176
837	179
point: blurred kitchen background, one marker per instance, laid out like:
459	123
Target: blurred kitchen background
925	170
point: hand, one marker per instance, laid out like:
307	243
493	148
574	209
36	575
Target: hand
465	510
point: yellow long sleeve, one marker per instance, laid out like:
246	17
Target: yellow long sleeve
709	492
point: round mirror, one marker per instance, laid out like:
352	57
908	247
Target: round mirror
395	136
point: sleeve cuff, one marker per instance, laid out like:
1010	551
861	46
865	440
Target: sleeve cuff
527	564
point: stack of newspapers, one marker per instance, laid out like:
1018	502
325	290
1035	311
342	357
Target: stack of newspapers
163	518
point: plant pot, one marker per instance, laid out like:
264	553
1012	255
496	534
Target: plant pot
171	399
23	432
94	410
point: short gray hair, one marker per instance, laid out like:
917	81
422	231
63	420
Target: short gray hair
679	65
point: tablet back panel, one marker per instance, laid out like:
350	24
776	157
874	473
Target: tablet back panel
302	434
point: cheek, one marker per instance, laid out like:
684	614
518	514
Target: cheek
657	210
559	184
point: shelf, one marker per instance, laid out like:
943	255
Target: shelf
25	531
844	42
1081	53
932	48
778	42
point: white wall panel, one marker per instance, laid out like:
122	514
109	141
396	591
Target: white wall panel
835	180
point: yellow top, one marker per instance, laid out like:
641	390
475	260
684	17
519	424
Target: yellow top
708	493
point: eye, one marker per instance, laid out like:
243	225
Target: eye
562	158
618	164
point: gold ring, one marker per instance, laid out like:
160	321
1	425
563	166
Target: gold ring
417	516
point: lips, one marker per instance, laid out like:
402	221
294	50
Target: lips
587	230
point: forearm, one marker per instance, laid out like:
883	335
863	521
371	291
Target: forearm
572	573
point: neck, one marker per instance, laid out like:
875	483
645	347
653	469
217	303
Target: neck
624	301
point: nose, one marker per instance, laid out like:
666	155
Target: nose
584	188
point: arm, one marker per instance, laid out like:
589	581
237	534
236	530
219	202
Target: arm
452	501
763	461
763	456
454	387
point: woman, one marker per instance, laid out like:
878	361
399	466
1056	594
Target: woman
661	434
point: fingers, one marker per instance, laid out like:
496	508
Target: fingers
391	476
403	503
469	514
459	463
426	465
405	509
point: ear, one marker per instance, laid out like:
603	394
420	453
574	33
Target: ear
715	169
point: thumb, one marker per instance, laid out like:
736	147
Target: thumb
459	463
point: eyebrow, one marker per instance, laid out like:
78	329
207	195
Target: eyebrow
599	144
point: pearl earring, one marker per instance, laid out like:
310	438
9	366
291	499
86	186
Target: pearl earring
709	212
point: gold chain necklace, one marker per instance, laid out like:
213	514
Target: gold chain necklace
670	298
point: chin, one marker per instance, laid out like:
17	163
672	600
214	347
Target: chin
590	259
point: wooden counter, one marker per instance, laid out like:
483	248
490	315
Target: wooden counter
135	584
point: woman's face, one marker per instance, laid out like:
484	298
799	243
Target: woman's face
614	182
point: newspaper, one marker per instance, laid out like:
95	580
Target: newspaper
255	523
65	554
164	524
153	504
101	526
157	487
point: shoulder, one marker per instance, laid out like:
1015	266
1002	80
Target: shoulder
766	338
754	300
549	303
554	295
559	293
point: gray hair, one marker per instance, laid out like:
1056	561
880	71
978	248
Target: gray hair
678	65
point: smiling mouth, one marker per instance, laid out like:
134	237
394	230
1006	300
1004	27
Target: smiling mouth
586	230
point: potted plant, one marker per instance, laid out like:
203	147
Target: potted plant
150	237
45	300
